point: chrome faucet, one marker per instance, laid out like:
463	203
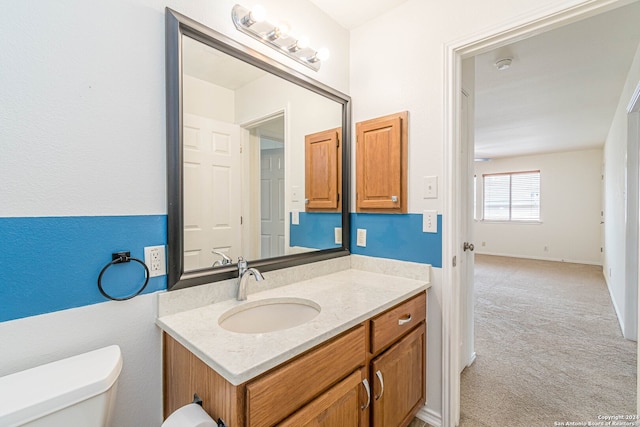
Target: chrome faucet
243	274
224	261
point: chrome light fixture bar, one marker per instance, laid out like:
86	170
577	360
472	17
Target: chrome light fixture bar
253	23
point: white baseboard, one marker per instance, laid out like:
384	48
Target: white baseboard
615	305
472	359
572	261
429	416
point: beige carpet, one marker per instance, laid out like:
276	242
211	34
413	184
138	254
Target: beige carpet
549	347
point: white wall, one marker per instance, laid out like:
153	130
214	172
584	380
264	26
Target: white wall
83	94
208	100
570	206
615	156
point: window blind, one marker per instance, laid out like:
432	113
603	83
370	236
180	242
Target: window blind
513	196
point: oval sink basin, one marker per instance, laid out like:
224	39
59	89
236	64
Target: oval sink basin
269	315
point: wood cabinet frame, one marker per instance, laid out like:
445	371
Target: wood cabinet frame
382	164
323	171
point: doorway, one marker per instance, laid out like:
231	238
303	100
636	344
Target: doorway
265	231
454	233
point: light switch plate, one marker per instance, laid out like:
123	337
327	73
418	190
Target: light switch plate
429	221
430	187
361	239
338	235
295	217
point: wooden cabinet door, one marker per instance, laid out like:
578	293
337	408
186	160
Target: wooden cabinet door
381	164
323	170
398	381
342	405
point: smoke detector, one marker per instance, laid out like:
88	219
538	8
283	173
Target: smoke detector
503	64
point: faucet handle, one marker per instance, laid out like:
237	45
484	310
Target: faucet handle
225	259
242	266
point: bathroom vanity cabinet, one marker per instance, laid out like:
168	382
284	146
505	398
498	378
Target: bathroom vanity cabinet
371	375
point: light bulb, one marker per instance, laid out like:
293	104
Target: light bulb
258	13
323	54
283	30
302	43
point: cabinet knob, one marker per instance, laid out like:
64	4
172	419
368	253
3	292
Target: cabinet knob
394	199
306	201
379	375
365	383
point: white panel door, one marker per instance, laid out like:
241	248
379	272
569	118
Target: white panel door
272	202
212	188
467	335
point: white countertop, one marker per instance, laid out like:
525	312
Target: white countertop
346	298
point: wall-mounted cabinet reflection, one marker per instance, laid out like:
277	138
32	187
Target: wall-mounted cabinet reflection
323	181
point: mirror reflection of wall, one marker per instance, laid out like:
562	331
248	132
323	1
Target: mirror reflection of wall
244	161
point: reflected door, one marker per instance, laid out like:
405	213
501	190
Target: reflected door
272	202
212	186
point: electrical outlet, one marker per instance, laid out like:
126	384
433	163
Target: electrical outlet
338	235
156	261
429	221
295	217
361	239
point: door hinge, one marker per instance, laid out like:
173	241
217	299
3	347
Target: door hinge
455	261
241	149
240	219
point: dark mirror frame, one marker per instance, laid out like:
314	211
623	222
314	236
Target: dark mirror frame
177	26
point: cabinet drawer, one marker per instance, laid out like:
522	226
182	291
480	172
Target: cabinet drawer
395	322
281	392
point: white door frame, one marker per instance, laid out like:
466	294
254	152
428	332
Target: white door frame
525	26
251	178
633	114
630	329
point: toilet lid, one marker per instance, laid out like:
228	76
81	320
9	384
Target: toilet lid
39	391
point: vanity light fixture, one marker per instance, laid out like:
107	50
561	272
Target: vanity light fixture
254	23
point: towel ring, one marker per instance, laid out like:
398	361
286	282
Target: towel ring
119	258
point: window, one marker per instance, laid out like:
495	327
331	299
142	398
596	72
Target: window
513	196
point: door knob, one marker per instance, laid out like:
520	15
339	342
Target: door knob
468	246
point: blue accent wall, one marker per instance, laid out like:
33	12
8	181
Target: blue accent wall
397	236
49	264
52	263
316	230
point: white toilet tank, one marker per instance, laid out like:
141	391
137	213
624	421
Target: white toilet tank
75	392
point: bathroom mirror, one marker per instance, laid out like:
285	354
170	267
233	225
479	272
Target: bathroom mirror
237	122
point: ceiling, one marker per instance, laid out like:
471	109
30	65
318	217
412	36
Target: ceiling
353	13
561	91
